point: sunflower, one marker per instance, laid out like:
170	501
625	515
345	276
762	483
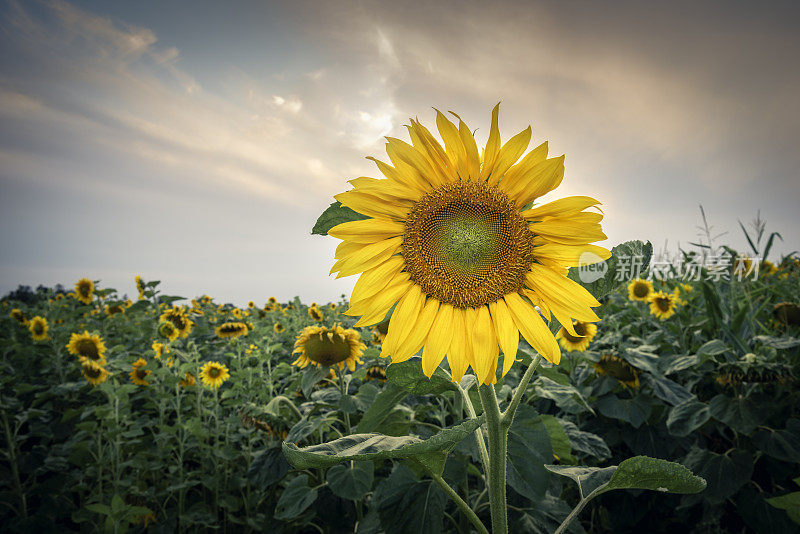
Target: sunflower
237	313
743	266
138	373
177	316
616	367
188	381
768	268
158	349
315	313
663	305
213	374
93	372
332	305
290	306
38	327
272	300
269	307
87	347
585	333
18	315
139	286
168	330
226	330
639	289
451	240
114	309
376	372
379	332
84	290
251	304
279	328
787	313
323	346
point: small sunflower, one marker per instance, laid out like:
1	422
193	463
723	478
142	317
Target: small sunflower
177	316
251	304
114	309
323	346
84	290
38	327
616	367
272	300
87	347
19	316
743	266
237	313
376	372
279	328
231	330
332	305
139	286
168	330
579	339
138	373
188	381
639	289
290	306
663	305
93	372
158	349
315	313
768	268
213	374
379	332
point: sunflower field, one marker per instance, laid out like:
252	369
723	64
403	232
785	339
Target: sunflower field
150	416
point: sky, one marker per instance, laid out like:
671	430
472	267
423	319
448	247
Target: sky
197	142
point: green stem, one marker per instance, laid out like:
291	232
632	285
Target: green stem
463	506
498	442
575	511
479	431
508	415
287	402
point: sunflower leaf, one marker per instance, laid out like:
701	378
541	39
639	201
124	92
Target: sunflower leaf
643	472
333	215
431	452
409	376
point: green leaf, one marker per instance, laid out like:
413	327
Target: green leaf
407	505
634	411
559	440
350	481
381	407
670	392
99	508
687	417
680	363
529	449
712	348
586	442
789	502
333	215
779	342
311	377
295	499
566	396
781	444
303	428
641	359
587	478
409	376
268	468
614	269
643	472
724	473
737	413
431	452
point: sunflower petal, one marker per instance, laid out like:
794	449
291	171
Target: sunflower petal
457	353
438	340
373	206
511	152
452	143
403	319
418	332
367	230
506	331
560	208
492	146
532	328
366	257
484	344
373	280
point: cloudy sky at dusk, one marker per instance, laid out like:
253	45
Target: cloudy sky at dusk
196	143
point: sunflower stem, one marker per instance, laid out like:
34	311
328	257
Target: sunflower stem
508	416
478	431
463	506
498	445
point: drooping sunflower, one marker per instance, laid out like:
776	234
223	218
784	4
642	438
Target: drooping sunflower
452	240
663	305
38	327
138	373
87	347
278	327
616	367
315	313
585	332
177	316
93	372
139	286
376	372
18	315
188	381
84	290
114	309
640	290
379	332
213	374
323	346
231	330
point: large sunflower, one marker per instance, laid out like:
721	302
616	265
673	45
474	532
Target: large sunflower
322	346
585	333
663	305
93	372
640	290
38	327
84	290
87	347
213	374
452	240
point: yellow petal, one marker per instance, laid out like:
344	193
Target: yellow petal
367	257
367	230
511	152
542	177
375	279
532	328
514	175
413	182
402	151
386	189
473	162
418	332
403	318
507	333
373	206
560	208
492	146
452	143
430	148
576	229
383	302
438	340
558	255
457	353
484	344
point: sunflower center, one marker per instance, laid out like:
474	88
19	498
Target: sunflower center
663	304
213	372
640	290
92	372
327	350
466	244
88	349
141	374
38	328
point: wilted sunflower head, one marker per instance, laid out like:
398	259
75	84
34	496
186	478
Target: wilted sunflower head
278	327
18	315
663	305
213	374
452	243
639	289
323	346
189	380
87	347
93	372
138	373
38	327
231	330
616	367
787	313
376	372
578	337
84	290
178	318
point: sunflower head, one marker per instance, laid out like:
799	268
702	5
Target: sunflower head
272	300
787	313
768	268
94	372
168	330
138	372
639	289
315	313
231	330
38	327
663	305
279	328
18	315
579	338
452	244
323	346
114	309
84	290
213	374
616	367
189	380
332	305
178	318
376	372
87	346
